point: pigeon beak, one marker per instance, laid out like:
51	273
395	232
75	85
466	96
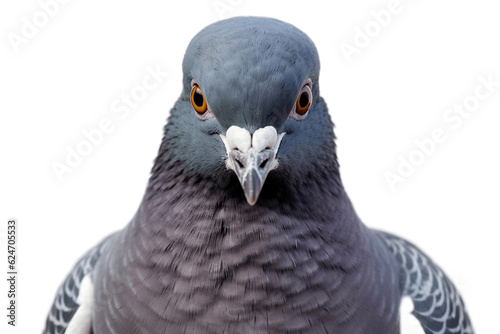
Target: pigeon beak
251	156
252	168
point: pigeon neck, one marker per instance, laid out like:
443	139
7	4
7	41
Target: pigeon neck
214	213
317	190
201	245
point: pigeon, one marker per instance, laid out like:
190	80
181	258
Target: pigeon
245	225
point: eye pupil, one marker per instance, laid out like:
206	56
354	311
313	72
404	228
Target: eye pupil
304	99
198	98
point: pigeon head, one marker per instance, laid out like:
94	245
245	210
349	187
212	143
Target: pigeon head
250	105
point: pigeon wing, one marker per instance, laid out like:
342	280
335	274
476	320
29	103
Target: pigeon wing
437	303
68	297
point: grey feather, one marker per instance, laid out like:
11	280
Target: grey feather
65	304
438	305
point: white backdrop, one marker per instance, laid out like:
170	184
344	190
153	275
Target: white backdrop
391	80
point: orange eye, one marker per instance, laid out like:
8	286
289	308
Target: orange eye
198	100
304	101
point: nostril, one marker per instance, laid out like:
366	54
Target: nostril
239	163
263	163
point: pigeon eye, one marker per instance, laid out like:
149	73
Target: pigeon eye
198	100
304	101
